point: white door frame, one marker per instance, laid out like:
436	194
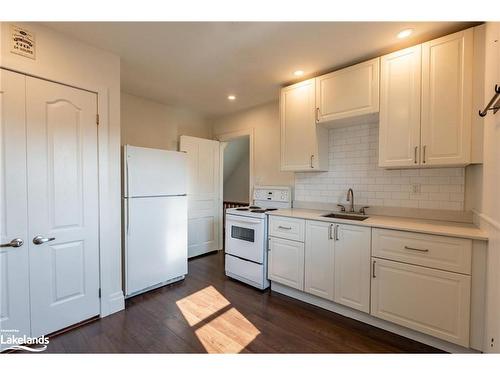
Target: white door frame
227	137
110	255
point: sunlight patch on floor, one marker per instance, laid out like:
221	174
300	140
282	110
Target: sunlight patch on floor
220	327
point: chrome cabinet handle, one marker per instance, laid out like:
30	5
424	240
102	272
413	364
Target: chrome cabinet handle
415	157
330	235
282	227
423	156
16	242
312	157
336	232
317	115
416	249
373	270
38	240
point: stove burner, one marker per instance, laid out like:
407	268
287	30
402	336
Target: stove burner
254	207
242	209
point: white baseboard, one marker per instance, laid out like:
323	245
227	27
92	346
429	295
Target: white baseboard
368	319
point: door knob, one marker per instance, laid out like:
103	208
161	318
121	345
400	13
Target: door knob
16	242
38	240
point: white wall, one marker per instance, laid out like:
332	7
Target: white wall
147	123
264	119
488	206
353	163
72	62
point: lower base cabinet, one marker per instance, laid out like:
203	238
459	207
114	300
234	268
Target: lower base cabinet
352	266
286	262
427	300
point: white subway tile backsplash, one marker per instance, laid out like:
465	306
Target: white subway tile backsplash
353	160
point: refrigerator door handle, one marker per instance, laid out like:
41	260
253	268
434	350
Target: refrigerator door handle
127	201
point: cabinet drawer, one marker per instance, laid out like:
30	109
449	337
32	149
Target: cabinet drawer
431	301
440	252
288	228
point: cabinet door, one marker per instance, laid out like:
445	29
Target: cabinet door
299	149
352	266
399	138
446	99
14	261
319	259
286	262
424	299
349	92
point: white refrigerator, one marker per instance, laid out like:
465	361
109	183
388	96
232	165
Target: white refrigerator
155	218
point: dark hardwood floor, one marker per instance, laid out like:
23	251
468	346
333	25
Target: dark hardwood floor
208	312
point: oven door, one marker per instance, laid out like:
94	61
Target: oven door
245	237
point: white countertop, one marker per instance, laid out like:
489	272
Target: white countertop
444	228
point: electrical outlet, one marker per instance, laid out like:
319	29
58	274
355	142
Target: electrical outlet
415	188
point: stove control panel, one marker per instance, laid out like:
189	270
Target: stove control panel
282	194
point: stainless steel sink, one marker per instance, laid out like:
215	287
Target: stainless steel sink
347	216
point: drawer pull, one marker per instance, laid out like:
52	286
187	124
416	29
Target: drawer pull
282	227
373	269
414	248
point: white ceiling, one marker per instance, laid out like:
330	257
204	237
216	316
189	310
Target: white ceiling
198	65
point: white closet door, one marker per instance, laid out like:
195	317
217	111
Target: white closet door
62	204
204	195
14	266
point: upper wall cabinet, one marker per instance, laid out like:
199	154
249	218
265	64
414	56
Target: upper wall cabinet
447	99
399	131
304	146
425	104
349	92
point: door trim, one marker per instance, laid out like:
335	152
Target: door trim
110	255
226	137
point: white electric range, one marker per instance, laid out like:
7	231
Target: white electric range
246	235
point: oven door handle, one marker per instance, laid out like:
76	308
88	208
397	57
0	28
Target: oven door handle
246	220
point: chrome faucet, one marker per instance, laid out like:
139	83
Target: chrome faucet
350	198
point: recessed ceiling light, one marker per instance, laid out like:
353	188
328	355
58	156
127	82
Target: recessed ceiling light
298	73
231	97
404	33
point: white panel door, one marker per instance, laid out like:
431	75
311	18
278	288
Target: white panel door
352	266
286	262
156	242
62	205
431	301
319	259
349	92
446	99
204	195
399	138
14	265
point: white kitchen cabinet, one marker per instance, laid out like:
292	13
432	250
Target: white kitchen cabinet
352	266
286	262
319	259
304	146
446	99
427	300
426	103
348	92
399	129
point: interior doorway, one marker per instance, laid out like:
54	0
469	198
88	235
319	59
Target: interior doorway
237	170
236	175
